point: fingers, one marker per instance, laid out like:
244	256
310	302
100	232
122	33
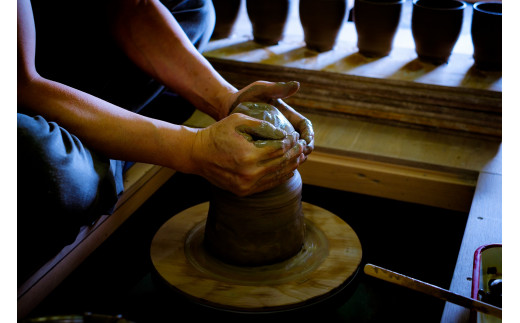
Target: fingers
308	148
307	133
281	145
299	122
273	93
273	172
306	130
283	171
281	90
262	130
264	184
265	135
288	160
262	91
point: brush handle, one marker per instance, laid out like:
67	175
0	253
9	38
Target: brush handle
432	290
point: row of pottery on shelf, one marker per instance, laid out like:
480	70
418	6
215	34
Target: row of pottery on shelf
436	25
269	17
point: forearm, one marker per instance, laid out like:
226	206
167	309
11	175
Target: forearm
154	40
106	128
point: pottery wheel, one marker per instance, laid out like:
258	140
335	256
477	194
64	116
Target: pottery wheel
329	259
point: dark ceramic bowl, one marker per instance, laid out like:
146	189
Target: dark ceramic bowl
486	34
226	12
436	26
321	22
376	23
268	19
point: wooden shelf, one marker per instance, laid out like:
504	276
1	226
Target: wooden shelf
397	89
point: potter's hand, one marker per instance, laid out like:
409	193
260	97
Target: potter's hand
245	155
273	93
299	122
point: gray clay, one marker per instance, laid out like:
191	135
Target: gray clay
263	228
263	136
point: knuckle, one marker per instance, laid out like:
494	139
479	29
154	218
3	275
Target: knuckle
243	189
247	158
245	183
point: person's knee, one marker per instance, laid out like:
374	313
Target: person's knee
55	166
61	186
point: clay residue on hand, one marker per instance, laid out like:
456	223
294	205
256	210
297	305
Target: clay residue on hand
266	112
263	136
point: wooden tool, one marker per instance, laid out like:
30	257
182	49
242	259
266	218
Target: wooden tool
431	290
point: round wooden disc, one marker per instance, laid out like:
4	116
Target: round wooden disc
330	257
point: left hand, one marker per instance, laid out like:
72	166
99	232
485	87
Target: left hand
273	93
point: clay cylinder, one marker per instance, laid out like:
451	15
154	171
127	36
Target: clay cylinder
436	27
321	22
226	12
260	229
486	34
376	23
268	19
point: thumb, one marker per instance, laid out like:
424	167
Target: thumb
262	130
281	90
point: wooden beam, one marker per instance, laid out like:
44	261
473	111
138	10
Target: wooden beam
446	188
471	111
484	226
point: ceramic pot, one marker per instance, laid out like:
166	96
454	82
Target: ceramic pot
376	23
486	34
436	26
226	15
268	19
321	22
262	228
256	230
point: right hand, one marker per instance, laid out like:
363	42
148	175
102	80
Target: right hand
273	93
231	156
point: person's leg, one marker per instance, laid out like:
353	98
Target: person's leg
61	185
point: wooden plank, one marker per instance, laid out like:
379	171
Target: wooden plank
415	146
401	159
396	102
484	226
450	189
346	136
